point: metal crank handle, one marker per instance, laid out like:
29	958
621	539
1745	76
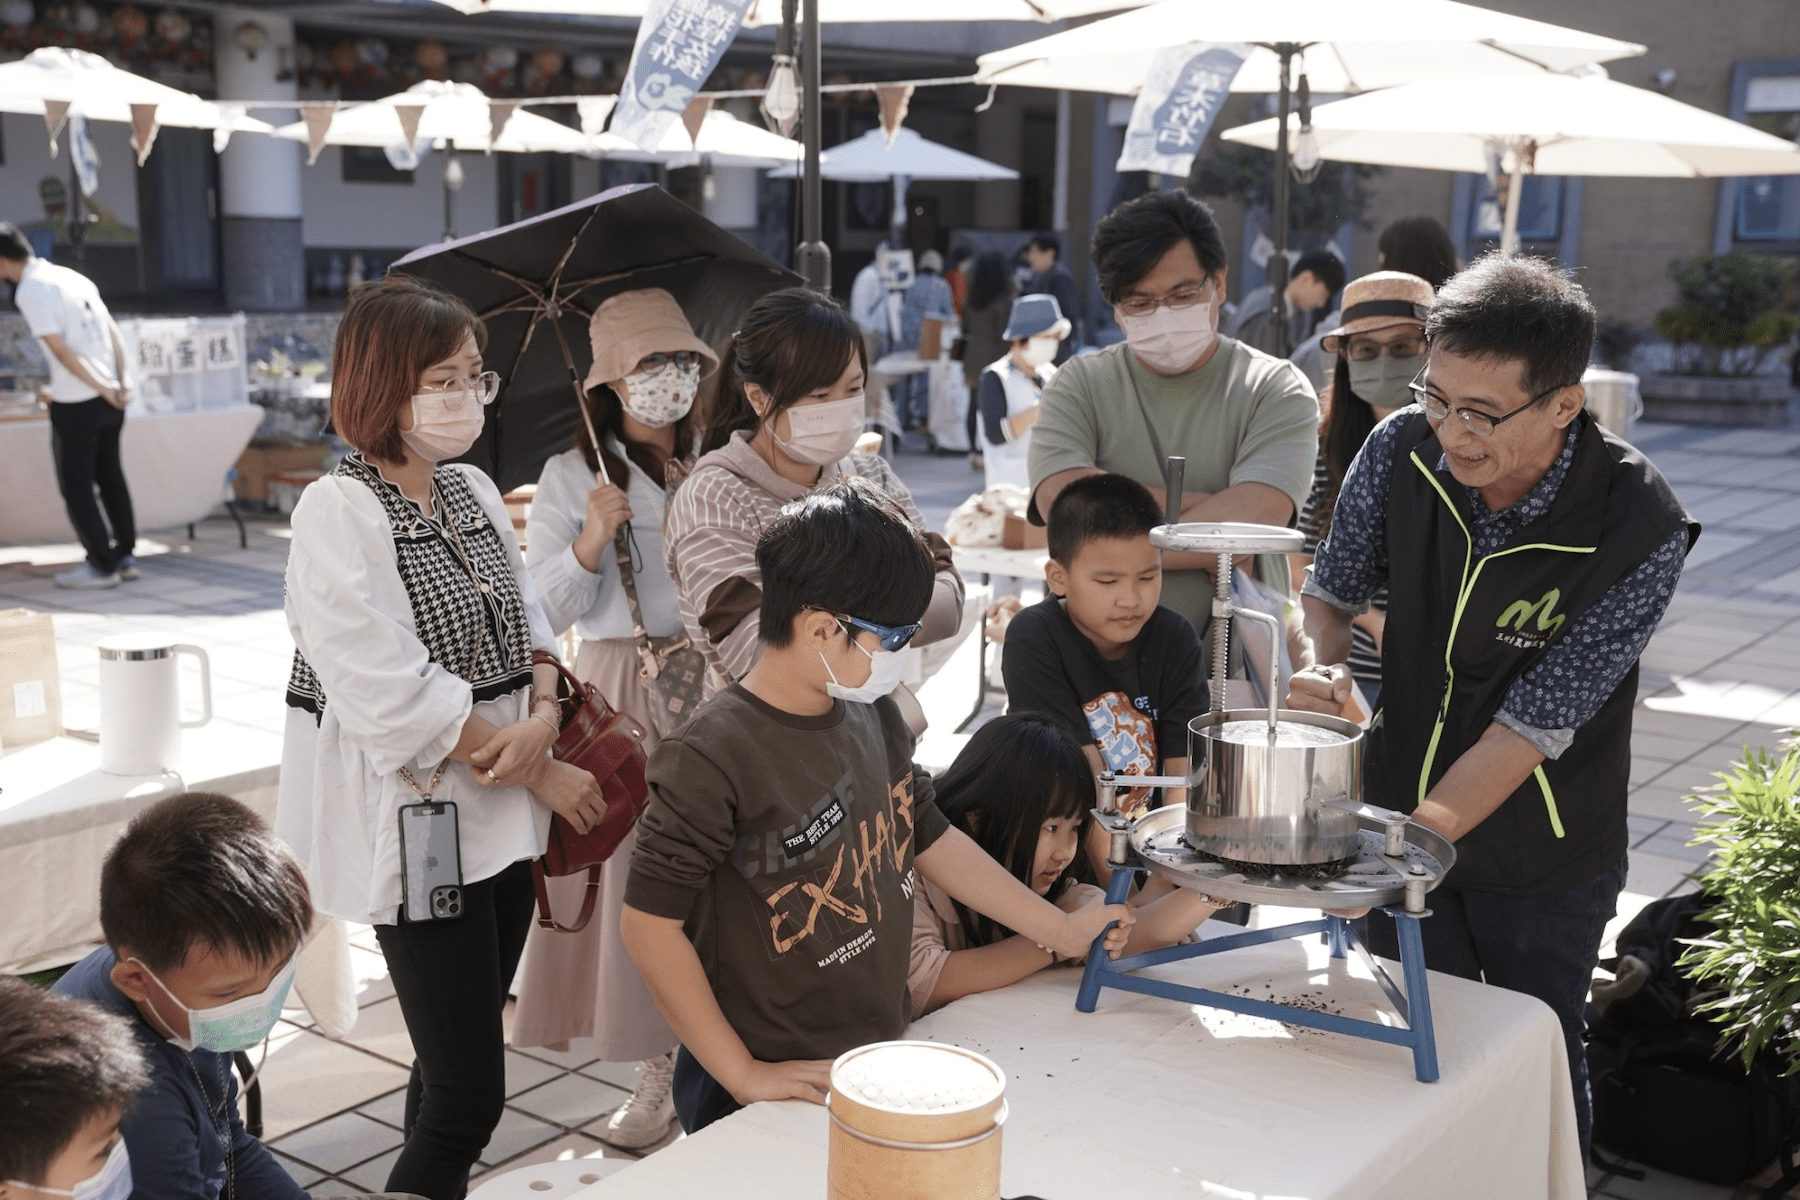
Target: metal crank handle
1393	823
1111	785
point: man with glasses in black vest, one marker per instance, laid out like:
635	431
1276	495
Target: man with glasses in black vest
1533	554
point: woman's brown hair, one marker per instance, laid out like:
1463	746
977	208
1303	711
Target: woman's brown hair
789	344
392	331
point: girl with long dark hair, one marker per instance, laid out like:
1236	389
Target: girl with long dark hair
648	367
1023	790
787	413
1380	347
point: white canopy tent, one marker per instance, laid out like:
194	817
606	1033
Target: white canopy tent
86	84
725	140
450	116
834	12
871	159
1548	124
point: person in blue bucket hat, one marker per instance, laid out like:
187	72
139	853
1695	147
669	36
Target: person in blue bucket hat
1011	387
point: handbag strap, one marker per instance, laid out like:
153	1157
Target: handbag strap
628	577
546	919
1162	459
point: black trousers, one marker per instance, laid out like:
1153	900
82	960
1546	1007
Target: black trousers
699	1098
451	978
84	440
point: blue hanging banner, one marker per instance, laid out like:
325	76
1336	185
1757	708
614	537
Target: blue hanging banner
83	155
678	45
1181	98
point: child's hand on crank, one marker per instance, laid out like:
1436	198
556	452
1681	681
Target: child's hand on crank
1085	923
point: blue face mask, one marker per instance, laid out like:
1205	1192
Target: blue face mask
113	1182
238	1025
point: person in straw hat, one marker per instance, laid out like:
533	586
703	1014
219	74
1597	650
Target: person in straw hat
647	371
1377	347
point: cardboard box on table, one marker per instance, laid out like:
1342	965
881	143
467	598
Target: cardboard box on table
264	459
30	688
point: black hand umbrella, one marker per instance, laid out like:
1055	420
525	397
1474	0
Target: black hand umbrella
536	284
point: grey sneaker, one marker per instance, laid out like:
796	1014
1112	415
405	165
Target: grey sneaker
644	1119
86	576
127	568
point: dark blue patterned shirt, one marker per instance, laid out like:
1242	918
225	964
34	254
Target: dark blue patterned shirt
1563	690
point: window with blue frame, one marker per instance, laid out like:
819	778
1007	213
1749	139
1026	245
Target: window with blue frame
1768	206
1540	210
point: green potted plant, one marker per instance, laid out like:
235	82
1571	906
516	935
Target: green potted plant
1734	313
1754	954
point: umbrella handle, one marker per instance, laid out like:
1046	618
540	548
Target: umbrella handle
587	421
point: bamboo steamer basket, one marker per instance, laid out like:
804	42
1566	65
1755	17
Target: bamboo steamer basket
915	1121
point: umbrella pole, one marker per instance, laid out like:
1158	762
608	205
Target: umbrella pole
1278	264
1509	229
814	257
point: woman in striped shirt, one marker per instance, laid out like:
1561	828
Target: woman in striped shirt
787	412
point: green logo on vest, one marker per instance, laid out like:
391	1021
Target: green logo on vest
1532	624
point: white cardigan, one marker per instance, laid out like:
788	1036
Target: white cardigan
388	706
594	601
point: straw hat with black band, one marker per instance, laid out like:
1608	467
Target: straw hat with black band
1380	300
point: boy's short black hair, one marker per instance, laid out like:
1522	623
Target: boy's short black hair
846	548
14	246
63	1061
1099	506
1325	267
1046	241
1512	307
202	869
1132	238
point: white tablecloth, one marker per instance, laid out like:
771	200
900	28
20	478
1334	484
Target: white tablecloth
1149	1098
992	560
175	465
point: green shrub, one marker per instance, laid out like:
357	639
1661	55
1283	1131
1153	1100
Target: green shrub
1755	953
1730	317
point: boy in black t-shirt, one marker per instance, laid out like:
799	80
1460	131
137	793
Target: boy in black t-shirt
1099	655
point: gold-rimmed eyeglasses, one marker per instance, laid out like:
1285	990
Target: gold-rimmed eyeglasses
455	393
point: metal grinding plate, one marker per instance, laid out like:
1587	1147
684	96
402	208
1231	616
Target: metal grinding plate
1227	537
1160	840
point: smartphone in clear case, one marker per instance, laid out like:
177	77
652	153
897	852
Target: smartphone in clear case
430	862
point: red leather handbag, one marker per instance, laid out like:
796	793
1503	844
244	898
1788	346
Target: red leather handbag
608	745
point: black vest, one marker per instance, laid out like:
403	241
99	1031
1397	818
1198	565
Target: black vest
1461	629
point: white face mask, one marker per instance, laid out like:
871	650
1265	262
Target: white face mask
238	1025
111	1182
1170	340
440	433
1040	350
661	396
885	669
822	433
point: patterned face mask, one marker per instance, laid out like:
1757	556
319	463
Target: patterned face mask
662	395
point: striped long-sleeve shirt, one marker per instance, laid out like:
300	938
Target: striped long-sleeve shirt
714	522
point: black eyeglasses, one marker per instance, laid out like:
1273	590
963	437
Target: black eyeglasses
659	360
1368	349
1474	420
893	637
1143	306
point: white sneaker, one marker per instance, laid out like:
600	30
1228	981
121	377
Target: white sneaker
86	576
644	1119
128	568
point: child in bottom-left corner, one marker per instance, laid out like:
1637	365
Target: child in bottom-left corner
203	910
68	1073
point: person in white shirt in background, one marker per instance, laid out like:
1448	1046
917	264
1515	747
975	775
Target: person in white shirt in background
89	391
648	365
414	625
1011	388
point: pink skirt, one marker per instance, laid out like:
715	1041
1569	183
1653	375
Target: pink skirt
585	984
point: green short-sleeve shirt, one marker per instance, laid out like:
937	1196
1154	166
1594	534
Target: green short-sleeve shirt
1244	417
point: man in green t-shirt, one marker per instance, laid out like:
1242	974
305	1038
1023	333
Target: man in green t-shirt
1246	422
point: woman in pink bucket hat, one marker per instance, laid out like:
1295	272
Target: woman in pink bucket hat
1379	346
647	370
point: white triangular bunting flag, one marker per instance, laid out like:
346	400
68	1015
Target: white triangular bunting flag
594	111
228	115
409	115
693	118
499	113
894	102
318	124
56	113
143	130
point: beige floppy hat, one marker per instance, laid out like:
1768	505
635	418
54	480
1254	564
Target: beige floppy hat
632	324
1378	301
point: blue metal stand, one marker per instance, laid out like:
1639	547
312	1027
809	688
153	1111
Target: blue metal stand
1413	1005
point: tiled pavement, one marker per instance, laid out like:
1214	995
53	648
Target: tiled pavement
1723	670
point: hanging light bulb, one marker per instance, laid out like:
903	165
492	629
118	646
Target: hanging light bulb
781	103
1305	161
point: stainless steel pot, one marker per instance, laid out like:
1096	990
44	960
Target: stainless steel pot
1279	803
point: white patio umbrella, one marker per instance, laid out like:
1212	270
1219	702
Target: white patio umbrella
838	12
727	141
1561	124
449	116
870	159
77	82
1340	48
